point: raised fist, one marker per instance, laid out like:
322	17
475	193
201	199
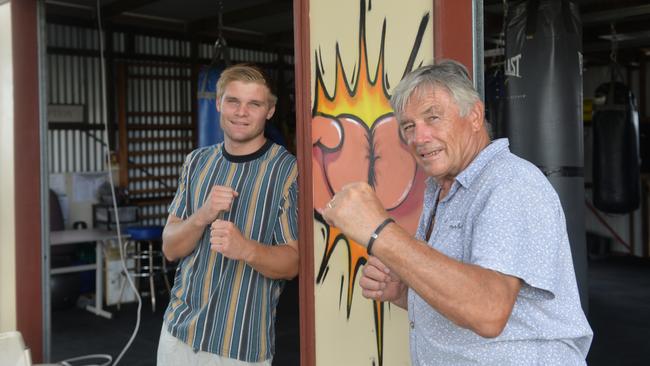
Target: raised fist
225	238
219	200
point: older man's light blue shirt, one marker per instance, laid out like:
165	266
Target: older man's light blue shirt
501	213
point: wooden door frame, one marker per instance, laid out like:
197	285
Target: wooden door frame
27	179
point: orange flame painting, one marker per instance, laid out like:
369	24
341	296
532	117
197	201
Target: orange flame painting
355	138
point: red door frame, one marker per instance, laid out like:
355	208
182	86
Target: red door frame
27	163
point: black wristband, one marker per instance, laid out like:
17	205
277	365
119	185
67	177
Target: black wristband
376	233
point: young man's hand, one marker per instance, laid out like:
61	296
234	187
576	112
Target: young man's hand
225	238
219	200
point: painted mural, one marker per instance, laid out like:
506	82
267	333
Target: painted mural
359	49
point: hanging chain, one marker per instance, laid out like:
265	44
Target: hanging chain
220	20
501	41
220	51
504	26
614	50
502	34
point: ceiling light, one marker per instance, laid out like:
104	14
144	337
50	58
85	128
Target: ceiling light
627	36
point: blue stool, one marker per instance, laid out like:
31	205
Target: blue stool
144	256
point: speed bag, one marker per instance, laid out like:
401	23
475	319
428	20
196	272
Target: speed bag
616	176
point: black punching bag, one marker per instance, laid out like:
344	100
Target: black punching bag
617	181
494	94
543	107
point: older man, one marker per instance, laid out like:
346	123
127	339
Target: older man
488	278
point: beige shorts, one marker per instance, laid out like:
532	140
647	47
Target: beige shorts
173	352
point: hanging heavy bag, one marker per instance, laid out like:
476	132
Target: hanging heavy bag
543	106
494	94
616	179
209	130
543	86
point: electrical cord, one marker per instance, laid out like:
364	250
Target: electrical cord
112	184
109	168
69	362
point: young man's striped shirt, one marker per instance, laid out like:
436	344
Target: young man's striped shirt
220	305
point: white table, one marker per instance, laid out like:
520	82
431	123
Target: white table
100	238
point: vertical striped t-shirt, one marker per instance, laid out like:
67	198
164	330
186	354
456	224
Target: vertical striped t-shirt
220	305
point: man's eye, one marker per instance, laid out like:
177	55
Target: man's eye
407	127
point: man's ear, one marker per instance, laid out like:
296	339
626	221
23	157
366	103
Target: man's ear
477	115
217	103
271	112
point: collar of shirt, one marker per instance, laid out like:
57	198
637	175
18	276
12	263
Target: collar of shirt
473	170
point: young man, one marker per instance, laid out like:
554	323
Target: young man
233	226
488	279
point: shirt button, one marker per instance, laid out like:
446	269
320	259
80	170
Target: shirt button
412	325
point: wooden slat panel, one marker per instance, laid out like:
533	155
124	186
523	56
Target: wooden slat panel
158	77
67	126
159	64
123	156
159	131
159	114
160	139
152	177
157	152
139	126
155	165
162	200
137	192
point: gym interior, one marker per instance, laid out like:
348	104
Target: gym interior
95	130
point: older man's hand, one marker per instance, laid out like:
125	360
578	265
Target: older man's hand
379	283
356	210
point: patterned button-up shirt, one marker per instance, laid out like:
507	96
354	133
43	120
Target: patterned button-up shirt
502	214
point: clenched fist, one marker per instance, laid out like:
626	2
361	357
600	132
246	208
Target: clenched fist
356	210
219	200
225	238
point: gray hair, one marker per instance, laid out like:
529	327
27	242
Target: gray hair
448	74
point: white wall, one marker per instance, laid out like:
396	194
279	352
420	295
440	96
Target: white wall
7	221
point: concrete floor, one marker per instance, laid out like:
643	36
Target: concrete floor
619	311
619	303
76	332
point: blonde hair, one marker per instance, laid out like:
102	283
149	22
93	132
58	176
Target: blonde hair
246	73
